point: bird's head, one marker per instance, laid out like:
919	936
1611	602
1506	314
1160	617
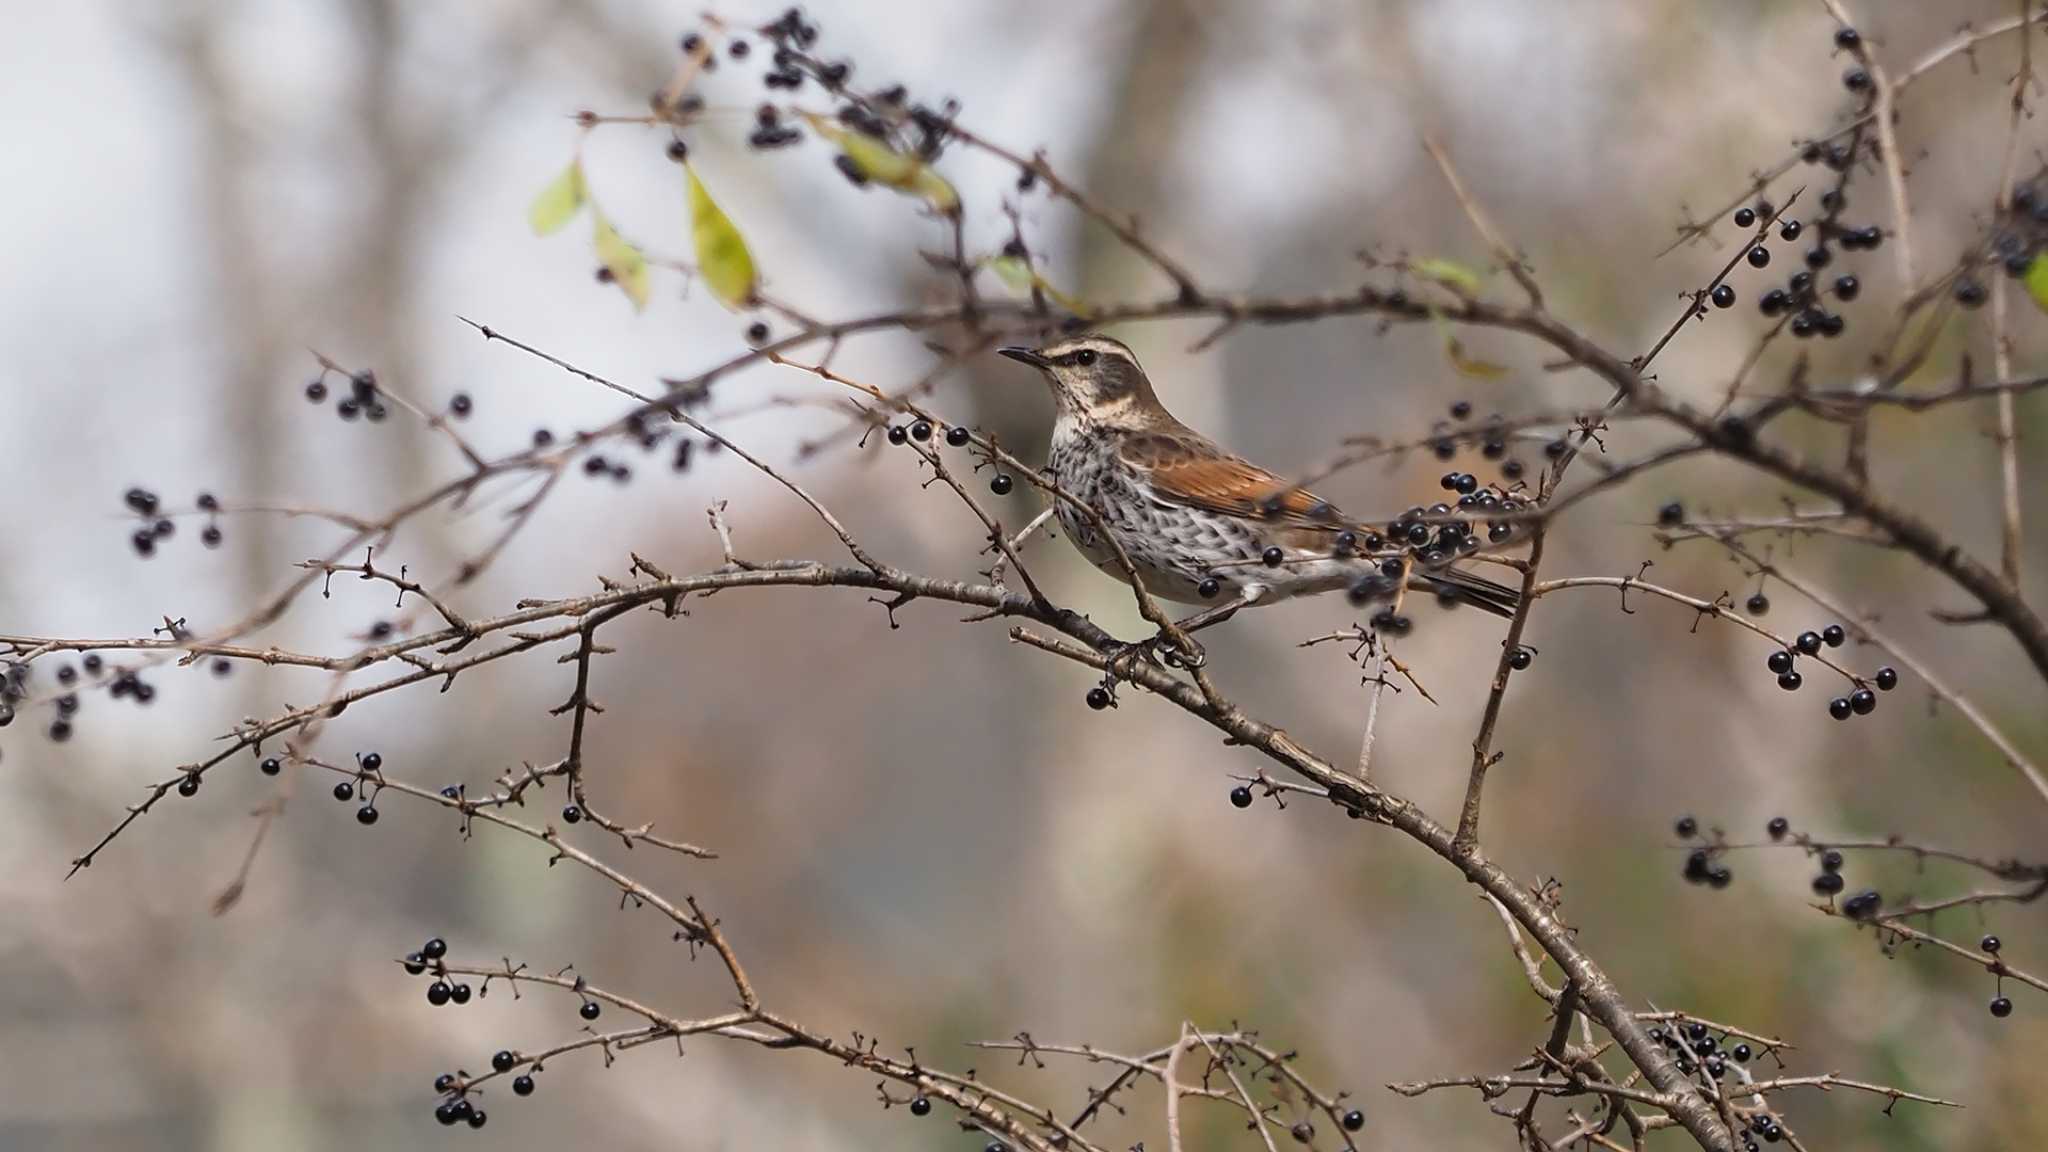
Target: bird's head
1094	378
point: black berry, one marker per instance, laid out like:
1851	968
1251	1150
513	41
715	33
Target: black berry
1098	698
522	1086
1887	678
1241	796
1759	256
590	1010
504	1060
1724	296
1001	483
1687	827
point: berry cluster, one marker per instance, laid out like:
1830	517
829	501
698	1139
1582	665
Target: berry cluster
1703	864
369	766
957	436
362	399
645	432
1802	295
156	526
14	678
1698	1051
1491	436
1861	701
2017	242
2001	1006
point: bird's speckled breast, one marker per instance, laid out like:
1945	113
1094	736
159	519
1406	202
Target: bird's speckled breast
1173	547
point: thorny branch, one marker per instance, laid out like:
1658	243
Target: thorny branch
1586	994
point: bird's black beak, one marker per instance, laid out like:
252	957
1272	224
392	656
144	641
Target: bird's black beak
1024	355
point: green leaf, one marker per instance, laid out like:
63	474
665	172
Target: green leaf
1014	272
1449	273
722	256
625	262
1021	278
881	164
559	202
2036	280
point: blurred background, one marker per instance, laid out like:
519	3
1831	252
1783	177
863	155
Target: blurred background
924	834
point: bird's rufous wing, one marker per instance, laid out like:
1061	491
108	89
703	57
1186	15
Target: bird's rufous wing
1191	472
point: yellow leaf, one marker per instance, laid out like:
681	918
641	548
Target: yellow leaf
2036	281
1454	349
1470	366
559	202
722	257
935	189
881	164
625	262
1450	274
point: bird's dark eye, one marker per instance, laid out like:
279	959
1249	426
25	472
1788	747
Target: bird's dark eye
1085	357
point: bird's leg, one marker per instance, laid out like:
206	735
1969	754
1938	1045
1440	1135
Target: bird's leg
1193	655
